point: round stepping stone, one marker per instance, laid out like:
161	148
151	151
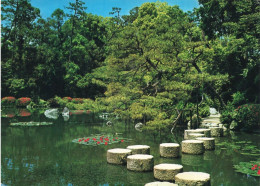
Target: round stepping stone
140	162
195	135
166	171
192	147
169	150
139	149
187	132
118	156
209	143
216	131
158	183
205	131
193	178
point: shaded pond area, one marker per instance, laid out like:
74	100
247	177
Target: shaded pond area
46	155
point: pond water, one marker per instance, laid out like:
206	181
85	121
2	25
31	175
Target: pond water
46	155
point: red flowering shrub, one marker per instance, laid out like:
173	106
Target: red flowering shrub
77	100
24	101
24	113
77	112
247	116
69	99
8	101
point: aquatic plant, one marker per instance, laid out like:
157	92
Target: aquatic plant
242	147
24	113
31	124
100	139
250	168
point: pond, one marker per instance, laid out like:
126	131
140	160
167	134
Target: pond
46	155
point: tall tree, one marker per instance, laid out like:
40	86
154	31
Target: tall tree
156	63
235	26
18	49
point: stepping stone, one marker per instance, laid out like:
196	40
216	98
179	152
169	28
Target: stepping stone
140	162
166	171
209	143
216	131
170	150
205	131
192	131
118	156
193	179
158	183
192	147
195	135
139	149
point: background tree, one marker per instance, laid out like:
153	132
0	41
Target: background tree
234	28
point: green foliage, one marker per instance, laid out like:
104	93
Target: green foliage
247	116
227	115
154	65
204	110
238	99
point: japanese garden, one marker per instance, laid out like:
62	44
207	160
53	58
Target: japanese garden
159	96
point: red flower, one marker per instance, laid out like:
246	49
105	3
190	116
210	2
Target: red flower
24	101
258	172
98	142
122	140
80	140
94	139
87	139
106	139
116	137
113	139
10	115
105	143
253	168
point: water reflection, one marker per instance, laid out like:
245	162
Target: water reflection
45	155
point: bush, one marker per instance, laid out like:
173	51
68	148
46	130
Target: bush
23	102
53	102
204	111
238	99
67	99
8	101
77	100
247	116
227	114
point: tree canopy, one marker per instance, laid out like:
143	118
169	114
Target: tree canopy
143	66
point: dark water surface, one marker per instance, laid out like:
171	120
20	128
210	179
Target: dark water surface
45	155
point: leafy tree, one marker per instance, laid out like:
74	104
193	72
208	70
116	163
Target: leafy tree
155	63
18	47
235	27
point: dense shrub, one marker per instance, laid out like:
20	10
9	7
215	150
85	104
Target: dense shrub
8	101
247	116
204	111
227	114
77	100
24	101
52	102
68	99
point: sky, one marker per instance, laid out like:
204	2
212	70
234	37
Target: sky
103	7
